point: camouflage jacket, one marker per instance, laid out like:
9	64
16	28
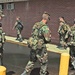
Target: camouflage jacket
64	28
72	35
73	28
2	38
41	35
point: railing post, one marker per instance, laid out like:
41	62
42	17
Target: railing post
2	70
64	64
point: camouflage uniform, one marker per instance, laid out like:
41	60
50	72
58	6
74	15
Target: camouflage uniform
2	40
19	30
63	31
37	43
71	44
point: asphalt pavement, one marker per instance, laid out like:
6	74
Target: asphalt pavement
16	58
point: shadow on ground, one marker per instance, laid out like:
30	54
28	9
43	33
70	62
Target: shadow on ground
36	71
10	73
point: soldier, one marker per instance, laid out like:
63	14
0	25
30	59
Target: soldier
19	27
41	35
2	40
63	31
71	44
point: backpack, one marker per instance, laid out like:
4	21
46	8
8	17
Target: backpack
20	26
36	33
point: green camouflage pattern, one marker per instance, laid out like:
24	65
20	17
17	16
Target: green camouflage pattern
43	62
71	45
73	28
37	43
2	40
19	36
63	28
63	31
2	37
40	35
72	34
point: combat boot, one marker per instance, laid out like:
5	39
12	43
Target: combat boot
45	73
72	67
17	37
20	40
24	73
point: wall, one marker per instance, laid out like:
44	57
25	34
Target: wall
31	11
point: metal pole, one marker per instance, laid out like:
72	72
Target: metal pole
64	64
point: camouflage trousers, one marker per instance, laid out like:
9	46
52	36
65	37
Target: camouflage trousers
73	62
43	62
62	40
1	56
19	36
72	55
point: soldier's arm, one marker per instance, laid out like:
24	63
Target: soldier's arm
15	25
59	29
66	27
46	34
3	37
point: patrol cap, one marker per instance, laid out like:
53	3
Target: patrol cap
61	17
0	24
46	16
18	17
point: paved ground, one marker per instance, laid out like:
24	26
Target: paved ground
16	57
50	47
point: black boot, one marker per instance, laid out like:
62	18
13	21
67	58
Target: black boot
72	67
17	37
20	40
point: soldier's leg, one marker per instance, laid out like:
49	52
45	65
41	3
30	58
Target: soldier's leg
30	63
73	57
63	43
73	63
61	40
70	52
17	35
20	36
43	60
28	68
1	56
